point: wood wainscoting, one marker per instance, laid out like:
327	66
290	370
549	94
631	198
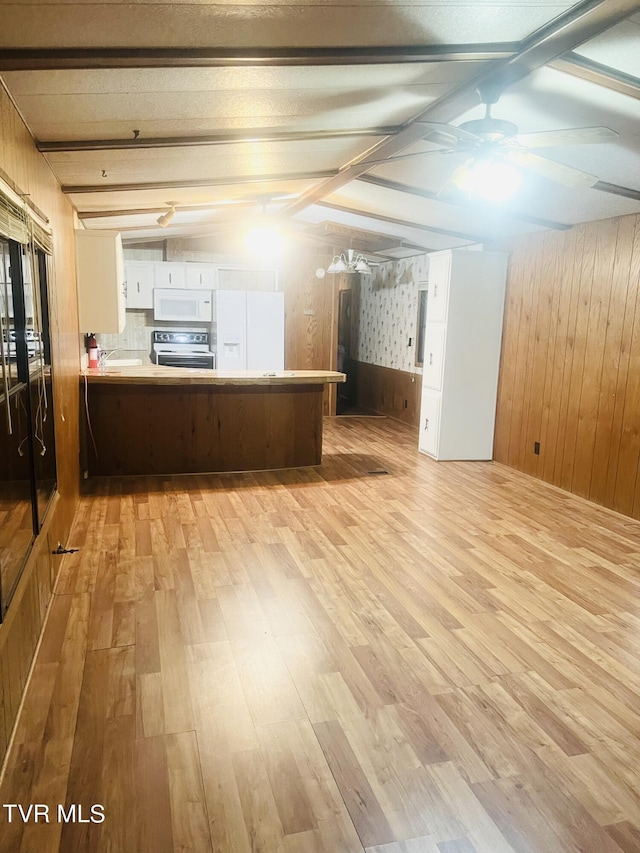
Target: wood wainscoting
386	391
570	368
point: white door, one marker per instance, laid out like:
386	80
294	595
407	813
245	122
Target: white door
231	329
265	331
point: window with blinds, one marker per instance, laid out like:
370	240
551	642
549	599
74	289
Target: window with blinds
18	222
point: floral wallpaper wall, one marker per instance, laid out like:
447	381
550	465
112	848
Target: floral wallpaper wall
388	313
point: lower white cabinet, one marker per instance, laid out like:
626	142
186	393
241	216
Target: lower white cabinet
429	422
463	334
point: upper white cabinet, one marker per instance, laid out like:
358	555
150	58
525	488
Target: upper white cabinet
463	335
236	278
439	278
201	276
101	281
143	276
170	275
140	283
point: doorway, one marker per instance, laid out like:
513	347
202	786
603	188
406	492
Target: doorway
346	399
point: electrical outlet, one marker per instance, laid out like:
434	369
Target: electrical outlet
536	448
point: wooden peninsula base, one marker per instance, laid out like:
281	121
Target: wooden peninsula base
174	421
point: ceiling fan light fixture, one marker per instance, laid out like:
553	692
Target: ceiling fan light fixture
490	179
264	239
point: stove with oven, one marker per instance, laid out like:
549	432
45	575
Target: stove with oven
182	349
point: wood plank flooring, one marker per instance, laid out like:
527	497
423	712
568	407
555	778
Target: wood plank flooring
443	658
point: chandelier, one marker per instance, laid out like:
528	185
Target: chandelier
349	263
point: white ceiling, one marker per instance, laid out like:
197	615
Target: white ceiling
356	75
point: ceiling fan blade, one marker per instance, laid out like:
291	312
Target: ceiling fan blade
395	157
447	134
568	136
566	175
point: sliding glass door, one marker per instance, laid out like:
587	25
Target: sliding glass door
27	447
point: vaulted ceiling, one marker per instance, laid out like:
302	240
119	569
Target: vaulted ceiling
307	111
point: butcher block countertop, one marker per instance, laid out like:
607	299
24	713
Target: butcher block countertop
152	374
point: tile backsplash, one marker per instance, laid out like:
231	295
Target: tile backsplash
135	340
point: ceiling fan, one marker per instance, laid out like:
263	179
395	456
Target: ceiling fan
495	141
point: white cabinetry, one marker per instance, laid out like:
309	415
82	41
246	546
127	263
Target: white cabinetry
143	276
101	281
429	421
170	275
201	276
463	335
237	278
140	283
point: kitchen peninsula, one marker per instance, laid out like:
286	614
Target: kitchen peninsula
167	420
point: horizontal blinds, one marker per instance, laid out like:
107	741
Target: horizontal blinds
19	223
42	237
13	222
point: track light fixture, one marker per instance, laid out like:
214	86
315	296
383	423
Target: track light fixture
166	218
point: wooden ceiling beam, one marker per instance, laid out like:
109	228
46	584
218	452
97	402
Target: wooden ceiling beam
418	226
375	181
594	72
261	134
200	182
616	189
47	59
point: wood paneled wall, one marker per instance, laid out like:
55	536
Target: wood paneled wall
311	319
27	172
385	391
570	365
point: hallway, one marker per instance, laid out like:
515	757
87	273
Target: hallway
381	653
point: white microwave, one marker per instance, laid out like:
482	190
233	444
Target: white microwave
187	306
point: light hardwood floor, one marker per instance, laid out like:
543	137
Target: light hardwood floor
443	658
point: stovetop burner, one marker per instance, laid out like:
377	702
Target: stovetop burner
178	341
184	349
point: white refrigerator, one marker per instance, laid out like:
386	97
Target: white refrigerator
249	329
